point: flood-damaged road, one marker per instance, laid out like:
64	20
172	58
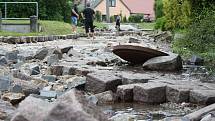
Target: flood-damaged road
74	78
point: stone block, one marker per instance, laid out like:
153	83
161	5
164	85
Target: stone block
57	70
125	92
202	96
4	83
41	53
48	94
49	78
150	93
173	62
13	98
100	82
177	93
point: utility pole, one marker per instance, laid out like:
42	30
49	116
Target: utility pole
107	12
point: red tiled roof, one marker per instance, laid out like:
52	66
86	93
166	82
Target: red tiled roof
140	6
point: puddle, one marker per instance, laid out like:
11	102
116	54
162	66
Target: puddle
139	112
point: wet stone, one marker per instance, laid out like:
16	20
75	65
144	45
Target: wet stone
48	94
176	119
49	78
129	78
197	115
6	110
105	97
2	52
4	83
13	98
66	49
41	53
31	109
208	117
125	92
27	87
12	56
134	40
35	69
196	60
68	70
70	102
50	38
58	53
40	39
76	82
26	55
83	71
70	36
173	62
57	70
16	89
177	93
52	59
3	61
150	93
102	81
59	87
202	96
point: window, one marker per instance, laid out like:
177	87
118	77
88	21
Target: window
112	3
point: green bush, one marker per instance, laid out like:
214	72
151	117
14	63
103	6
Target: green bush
202	33
124	19
98	16
112	19
158	8
160	23
48	9
177	14
137	18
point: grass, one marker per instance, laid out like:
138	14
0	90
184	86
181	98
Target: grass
179	46
100	25
16	21
48	28
3	33
145	25
55	28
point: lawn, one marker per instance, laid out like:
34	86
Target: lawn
100	25
48	28
145	25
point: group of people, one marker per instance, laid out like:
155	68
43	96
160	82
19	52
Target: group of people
88	15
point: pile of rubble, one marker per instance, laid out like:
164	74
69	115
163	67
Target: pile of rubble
42	82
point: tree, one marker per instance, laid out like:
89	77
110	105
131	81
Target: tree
48	9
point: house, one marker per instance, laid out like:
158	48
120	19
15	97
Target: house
126	7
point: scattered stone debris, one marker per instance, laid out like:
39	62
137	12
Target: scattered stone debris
102	81
42	79
172	62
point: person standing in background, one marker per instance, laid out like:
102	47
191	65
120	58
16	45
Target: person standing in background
118	20
88	15
74	18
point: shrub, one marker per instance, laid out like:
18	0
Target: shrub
160	23
124	19
158	8
112	19
98	16
177	13
202	33
137	18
